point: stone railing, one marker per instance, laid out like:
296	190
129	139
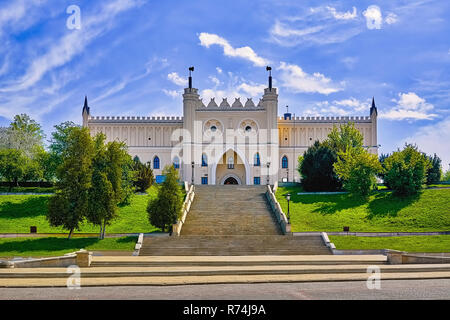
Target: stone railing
81	258
176	228
285	226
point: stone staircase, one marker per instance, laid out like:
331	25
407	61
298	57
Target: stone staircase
233	245
230	210
232	221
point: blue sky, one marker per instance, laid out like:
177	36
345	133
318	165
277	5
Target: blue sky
130	57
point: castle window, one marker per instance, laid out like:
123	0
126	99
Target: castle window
230	163
257	180
204	160
213	128
156	163
176	163
204	180
257	160
248	129
284	162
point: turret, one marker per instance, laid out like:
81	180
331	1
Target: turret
86	112
373	109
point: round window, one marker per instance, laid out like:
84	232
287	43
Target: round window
248	129
213	128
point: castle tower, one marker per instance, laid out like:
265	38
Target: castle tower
191	100
373	118
270	103
85	113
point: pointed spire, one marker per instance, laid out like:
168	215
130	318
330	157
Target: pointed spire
86	107
373	108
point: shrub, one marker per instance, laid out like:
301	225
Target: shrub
406	170
316	169
358	169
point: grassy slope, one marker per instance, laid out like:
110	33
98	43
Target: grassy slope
19	212
55	246
429	211
403	243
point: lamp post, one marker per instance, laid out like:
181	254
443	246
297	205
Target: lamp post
288	198
268	173
192	163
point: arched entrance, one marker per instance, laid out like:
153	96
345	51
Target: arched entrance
230	165
230	180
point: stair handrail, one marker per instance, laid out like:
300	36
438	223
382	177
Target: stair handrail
276	209
176	228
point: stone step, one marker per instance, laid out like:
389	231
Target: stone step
106	272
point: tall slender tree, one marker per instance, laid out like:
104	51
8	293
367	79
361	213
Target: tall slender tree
70	204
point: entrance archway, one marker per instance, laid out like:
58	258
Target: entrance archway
230	180
220	169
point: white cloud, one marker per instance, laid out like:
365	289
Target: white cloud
252	90
391	18
374	19
410	107
433	139
315	27
172	93
247	53
343	15
219	70
72	44
175	78
345	107
296	80
214	80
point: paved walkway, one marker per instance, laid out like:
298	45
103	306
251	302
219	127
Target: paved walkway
390	290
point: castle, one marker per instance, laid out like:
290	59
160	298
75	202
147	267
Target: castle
240	143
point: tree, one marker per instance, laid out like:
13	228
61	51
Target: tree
346	137
317	170
164	210
13	165
23	134
59	141
446	176
357	168
144	175
69	206
406	170
434	173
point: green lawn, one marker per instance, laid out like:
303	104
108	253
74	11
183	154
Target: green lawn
56	246
429	211
27	190
19	212
403	243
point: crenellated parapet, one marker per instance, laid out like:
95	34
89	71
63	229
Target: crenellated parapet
356	119
133	119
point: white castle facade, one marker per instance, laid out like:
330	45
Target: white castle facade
226	144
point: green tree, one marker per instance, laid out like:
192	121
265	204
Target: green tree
164	210
144	175
13	166
344	138
446	176
316	169
59	141
434	173
23	134
357	169
70	204
406	170
102	202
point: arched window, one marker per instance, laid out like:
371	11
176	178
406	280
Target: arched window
230	162
257	160
284	162
204	160
176	163
156	163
